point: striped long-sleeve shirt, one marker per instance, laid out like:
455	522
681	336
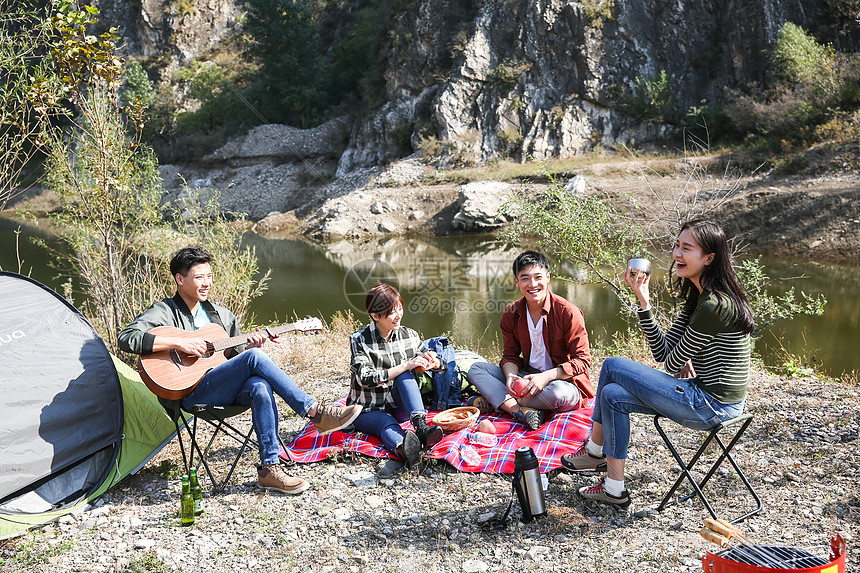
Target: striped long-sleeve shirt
708	338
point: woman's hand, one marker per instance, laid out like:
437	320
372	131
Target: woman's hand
638	283
418	361
432	362
687	371
432	359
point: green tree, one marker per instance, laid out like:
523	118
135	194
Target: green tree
581	229
354	71
137	89
120	233
29	92
286	44
219	105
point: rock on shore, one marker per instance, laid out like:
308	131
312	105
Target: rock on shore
283	179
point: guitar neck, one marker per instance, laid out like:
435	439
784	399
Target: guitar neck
225	343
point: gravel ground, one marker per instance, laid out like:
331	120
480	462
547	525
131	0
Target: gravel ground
800	454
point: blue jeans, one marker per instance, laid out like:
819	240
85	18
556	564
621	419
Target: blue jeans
385	425
627	386
251	378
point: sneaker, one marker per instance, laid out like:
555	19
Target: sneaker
597	493
481	404
273	477
429	435
410	450
531	418
582	460
330	418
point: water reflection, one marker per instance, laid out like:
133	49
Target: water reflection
831	339
20	254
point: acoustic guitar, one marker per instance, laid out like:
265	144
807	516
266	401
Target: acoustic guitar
172	374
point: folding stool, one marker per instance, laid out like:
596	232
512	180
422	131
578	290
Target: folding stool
215	416
713	436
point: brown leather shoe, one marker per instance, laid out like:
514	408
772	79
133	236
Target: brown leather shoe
273	477
330	418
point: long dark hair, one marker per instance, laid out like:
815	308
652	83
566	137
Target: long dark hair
719	276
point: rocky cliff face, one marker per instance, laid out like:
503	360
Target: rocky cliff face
173	30
541	78
480	79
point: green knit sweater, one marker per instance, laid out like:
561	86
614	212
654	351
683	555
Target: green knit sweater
708	338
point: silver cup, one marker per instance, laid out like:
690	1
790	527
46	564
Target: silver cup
643	265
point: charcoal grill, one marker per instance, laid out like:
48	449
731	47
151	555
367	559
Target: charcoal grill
774	558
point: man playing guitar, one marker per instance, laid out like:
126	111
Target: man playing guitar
248	377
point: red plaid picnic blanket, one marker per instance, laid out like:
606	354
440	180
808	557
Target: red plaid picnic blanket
559	435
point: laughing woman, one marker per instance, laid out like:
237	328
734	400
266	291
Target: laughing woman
706	354
382	377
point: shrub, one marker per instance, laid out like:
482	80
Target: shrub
596	12
557	114
137	89
401	138
430	148
286	44
799	59
506	75
110	195
596	239
651	97
512	141
767	308
843	11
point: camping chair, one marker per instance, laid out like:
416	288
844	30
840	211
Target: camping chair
713	436
215	416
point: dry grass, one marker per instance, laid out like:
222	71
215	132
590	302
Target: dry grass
319	363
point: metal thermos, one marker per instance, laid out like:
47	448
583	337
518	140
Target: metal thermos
528	484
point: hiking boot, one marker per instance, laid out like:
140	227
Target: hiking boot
597	493
330	418
273	477
531	418
481	404
429	435
582	460
389	467
410	450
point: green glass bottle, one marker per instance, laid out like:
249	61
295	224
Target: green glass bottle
186	502
196	492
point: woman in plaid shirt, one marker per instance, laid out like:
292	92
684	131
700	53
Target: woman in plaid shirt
382	377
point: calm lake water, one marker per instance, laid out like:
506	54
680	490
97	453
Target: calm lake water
459	286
